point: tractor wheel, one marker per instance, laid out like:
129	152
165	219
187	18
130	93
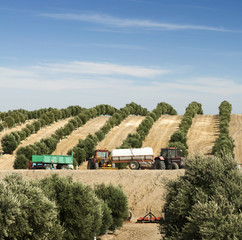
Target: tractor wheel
89	164
134	165
159	164
96	165
174	166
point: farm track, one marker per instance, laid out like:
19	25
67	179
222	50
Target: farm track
7	160
202	135
119	133
91	127
161	132
235	131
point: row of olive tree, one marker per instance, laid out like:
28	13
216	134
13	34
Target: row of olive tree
205	203
58	208
85	147
179	138
135	140
11	141
48	145
224	143
11	118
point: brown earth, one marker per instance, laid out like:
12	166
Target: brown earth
161	132
144	188
235	131
202	134
90	127
116	136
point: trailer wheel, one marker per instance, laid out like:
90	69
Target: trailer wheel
159	164
134	165
174	166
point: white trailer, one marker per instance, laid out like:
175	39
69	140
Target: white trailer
136	157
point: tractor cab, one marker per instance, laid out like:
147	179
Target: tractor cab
173	157
100	159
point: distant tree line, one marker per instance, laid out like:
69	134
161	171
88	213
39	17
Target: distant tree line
58	208
179	138
11	118
224	144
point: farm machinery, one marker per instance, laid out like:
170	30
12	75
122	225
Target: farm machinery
170	158
149	218
101	159
137	158
51	162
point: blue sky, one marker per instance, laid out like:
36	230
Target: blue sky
57	53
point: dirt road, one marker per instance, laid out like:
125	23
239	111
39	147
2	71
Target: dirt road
202	134
90	127
161	132
116	136
235	131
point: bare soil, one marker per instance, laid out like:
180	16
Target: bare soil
161	132
235	131
81	133
119	133
202	135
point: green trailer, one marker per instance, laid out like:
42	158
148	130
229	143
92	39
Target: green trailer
51	162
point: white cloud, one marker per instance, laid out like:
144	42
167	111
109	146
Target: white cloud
128	23
94	68
107	84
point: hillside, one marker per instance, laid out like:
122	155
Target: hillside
7	160
116	136
202	134
161	132
91	127
200	138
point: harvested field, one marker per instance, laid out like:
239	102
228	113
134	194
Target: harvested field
202	134
116	136
235	131
161	132
91	127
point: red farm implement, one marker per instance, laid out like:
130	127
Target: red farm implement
149	218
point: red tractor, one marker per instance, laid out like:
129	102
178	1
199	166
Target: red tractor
170	158
100	159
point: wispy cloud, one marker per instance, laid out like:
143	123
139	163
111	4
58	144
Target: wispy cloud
130	23
95	68
92	75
